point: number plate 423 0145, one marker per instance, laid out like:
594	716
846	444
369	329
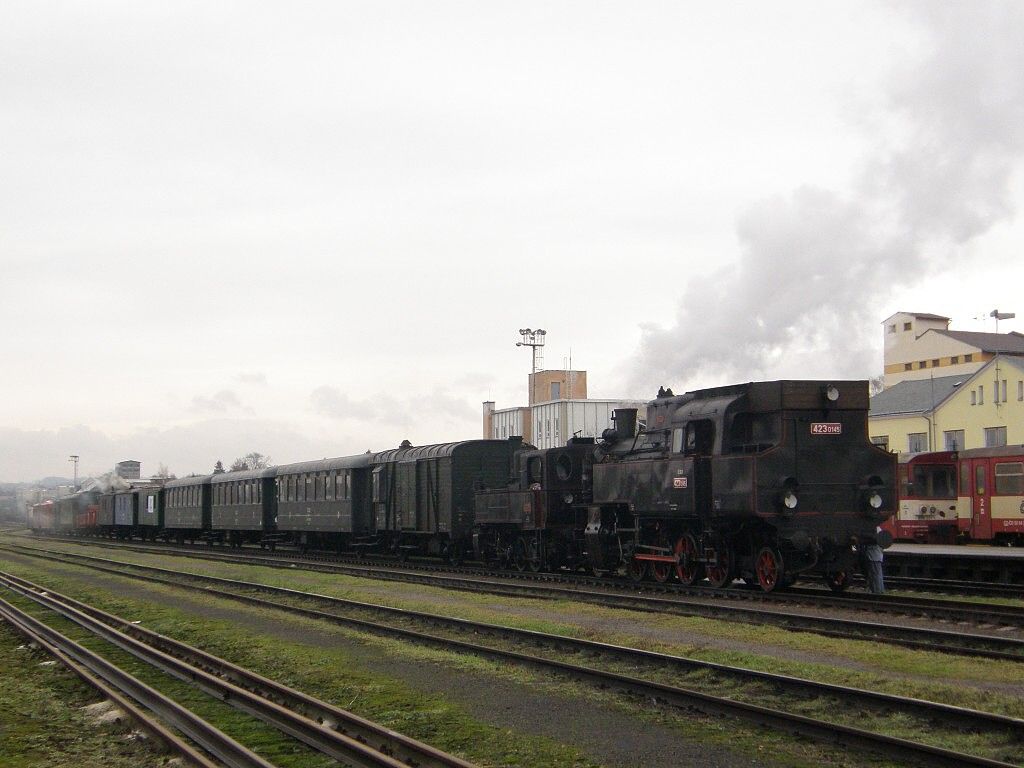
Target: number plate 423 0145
826	428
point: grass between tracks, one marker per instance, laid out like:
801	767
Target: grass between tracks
863	664
45	721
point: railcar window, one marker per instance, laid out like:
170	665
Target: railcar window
979	479
965	479
330	484
934	481
677	440
348	484
534	470
1010	478
753	432
376	484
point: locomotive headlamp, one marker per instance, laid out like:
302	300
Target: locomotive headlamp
790	500
831	393
567	498
875	500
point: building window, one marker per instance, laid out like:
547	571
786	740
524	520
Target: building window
892	328
908	366
953	439
907	326
995	437
556	390
882	441
917	442
954	360
969	357
974	397
935	363
1020	390
923	364
981	394
1004	390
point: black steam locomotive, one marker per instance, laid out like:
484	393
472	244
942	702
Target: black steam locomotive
765	481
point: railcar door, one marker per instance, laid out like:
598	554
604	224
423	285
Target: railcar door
981	521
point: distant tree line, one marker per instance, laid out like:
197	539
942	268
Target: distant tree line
254	460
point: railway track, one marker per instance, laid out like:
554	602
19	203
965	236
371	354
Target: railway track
324	727
739	590
992	644
507	642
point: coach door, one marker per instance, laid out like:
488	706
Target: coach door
981	506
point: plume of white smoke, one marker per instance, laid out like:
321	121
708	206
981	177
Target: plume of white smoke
814	268
109	482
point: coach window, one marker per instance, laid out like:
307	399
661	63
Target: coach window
330	484
979	480
310	486
965	478
348	484
1010	478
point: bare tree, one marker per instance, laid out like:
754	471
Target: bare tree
218	468
254	460
876	384
164	472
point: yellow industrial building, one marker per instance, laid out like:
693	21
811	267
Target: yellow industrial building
948	390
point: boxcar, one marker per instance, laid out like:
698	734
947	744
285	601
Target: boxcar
243	505
423	497
187	507
41	518
324	503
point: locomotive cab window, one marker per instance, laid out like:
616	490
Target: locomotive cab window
934	481
753	432
700	438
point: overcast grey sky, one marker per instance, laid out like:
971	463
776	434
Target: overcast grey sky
314	229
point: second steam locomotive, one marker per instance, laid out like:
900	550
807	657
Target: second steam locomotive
766	481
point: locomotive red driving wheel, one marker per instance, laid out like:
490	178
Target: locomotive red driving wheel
687	569
721	573
661	571
769	569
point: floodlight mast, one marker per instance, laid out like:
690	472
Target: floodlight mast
74	458
535	340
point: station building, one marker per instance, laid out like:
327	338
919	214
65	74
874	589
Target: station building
946	389
558	409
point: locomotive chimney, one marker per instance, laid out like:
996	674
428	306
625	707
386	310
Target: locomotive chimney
625	423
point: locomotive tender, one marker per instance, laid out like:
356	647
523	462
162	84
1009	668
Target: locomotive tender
765	480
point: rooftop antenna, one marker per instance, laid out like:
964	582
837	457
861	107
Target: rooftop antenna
1001	316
